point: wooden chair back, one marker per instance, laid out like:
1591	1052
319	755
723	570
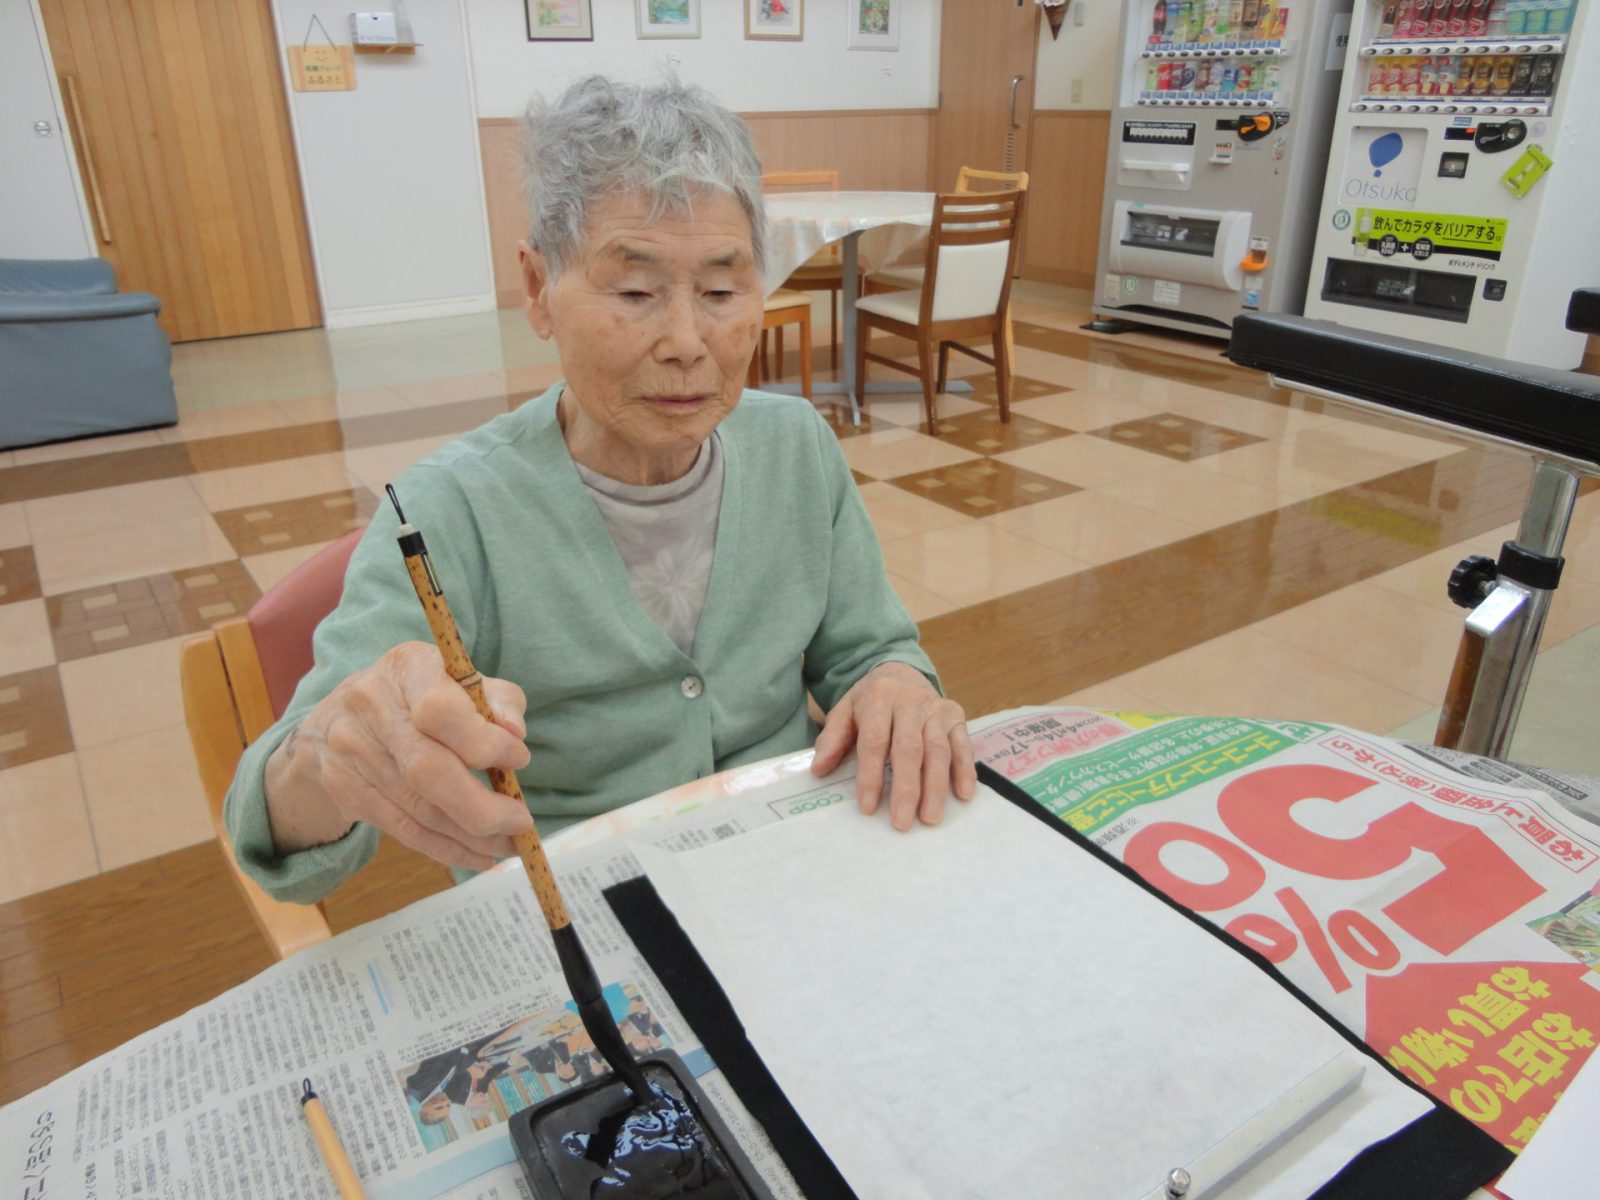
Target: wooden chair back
818	179
994	181
971	256
229	701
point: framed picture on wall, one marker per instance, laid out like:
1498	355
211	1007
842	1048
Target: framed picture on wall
774	20
872	25
668	18
560	20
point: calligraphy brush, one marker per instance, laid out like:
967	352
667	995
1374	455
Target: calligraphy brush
666	1136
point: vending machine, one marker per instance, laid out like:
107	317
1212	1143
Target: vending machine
1463	189
1219	139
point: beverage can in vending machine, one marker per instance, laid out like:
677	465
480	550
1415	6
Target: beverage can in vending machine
1458	18
1466	70
1420	16
1538	17
1158	24
1386	21
1497	18
1236	19
1164	78
1280	23
1439	20
1427	77
1410	78
1405	18
1202	76
1542	77
1445	70
1558	17
1244	78
1230	79
1208	21
1477	18
1483	75
1252	20
1174	19
1522	77
1274	78
1152	78
1187	83
1504	67
1516	18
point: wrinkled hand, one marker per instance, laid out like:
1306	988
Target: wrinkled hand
394	746
893	715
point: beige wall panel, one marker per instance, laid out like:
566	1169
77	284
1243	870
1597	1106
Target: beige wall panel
1067	169
793	143
889	153
501	143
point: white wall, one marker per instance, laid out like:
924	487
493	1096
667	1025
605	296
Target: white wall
392	175
41	208
747	76
1085	53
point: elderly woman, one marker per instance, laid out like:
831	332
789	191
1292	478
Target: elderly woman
653	566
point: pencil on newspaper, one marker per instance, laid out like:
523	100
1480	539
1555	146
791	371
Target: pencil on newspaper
339	1164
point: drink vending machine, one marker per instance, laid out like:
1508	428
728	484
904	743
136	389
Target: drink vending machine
1219	139
1460	206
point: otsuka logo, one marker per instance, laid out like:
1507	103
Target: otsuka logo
1381	151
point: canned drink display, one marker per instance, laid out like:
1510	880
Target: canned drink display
1522	77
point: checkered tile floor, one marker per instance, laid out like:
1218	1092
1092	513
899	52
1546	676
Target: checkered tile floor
1130	467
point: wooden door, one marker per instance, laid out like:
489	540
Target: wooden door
184	149
983	118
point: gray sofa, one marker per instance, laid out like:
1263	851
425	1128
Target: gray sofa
77	357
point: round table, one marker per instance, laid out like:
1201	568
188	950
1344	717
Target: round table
875	228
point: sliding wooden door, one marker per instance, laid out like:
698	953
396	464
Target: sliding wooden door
177	110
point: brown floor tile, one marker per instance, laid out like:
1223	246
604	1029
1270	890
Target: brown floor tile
133	612
983	487
19	575
984	432
1173	436
33	717
282	524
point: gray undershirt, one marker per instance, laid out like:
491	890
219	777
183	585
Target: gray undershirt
667	535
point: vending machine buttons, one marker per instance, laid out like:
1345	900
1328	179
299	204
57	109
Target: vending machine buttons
1494	289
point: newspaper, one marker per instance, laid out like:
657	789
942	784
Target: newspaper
423	1032
426	1030
1442	907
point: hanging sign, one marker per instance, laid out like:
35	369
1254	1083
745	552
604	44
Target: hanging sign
327	68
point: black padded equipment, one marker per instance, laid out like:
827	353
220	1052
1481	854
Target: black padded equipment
1555	411
1583	311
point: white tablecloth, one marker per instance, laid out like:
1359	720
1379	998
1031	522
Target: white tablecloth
801	223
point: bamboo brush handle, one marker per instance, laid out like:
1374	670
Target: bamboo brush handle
456	660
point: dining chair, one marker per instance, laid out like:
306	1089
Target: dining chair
237	680
823	271
969	180
966	287
784	307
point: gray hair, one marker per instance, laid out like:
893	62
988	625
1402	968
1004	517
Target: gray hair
664	140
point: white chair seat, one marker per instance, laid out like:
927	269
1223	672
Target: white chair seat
910	277
784	298
897	306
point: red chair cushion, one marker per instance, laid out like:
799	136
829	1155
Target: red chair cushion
285	617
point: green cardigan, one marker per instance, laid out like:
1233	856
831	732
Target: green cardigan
798	600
